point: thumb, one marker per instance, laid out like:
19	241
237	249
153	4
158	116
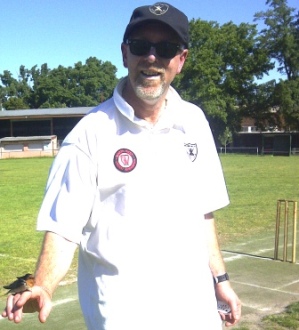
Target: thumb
40	301
45	311
236	310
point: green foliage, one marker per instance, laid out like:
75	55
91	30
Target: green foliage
220	74
14	93
280	37
225	61
261	99
226	137
82	85
287	96
15	103
220	71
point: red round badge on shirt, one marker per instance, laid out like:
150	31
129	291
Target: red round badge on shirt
125	160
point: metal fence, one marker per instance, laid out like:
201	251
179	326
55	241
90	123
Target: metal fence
239	150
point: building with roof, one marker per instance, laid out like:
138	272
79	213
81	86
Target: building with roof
272	140
40	122
29	146
60	121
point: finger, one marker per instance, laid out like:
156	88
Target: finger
227	318
19	300
230	320
45	311
223	316
17	310
23	298
45	303
9	307
236	312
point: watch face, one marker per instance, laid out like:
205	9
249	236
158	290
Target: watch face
221	278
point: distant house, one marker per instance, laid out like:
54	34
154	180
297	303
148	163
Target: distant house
32	146
272	140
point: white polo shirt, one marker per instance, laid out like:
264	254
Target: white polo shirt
134	197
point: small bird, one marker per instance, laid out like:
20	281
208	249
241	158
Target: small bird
23	283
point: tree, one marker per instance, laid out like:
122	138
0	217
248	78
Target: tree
220	71
226	138
82	85
287	96
261	101
14	93
280	38
14	103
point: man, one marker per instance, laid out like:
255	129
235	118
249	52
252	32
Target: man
134	185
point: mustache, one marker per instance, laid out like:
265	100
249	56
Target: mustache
154	69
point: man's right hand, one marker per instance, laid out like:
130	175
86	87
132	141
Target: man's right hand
35	300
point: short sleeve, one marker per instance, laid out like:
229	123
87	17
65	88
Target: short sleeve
69	194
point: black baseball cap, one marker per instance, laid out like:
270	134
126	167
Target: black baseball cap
160	12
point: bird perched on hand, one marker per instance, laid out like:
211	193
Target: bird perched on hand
23	283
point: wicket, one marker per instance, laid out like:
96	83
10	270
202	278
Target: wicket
286	206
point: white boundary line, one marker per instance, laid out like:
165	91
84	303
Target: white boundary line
267	289
257	307
16	258
63	301
254	254
288	284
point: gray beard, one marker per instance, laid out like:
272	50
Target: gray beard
149	94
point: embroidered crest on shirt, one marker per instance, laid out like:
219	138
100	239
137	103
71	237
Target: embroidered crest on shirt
192	150
159	9
125	160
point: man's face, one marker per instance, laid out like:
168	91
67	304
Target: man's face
150	75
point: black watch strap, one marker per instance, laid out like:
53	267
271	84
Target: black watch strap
221	278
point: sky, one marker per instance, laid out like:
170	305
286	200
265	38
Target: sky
64	32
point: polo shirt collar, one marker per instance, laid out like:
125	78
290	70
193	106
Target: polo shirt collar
167	119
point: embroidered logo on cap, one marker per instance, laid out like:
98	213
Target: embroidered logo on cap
125	160
159	9
192	150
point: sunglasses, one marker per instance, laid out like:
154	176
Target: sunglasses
163	49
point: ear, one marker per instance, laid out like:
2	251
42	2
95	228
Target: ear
183	57
124	51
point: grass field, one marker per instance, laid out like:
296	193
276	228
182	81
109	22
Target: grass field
254	184
22	184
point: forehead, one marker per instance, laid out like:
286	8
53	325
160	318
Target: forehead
155	30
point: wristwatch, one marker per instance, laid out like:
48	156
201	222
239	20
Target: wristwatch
221	278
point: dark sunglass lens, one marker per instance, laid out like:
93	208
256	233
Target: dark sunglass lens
142	47
166	49
139	47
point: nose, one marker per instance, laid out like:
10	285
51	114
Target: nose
152	55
